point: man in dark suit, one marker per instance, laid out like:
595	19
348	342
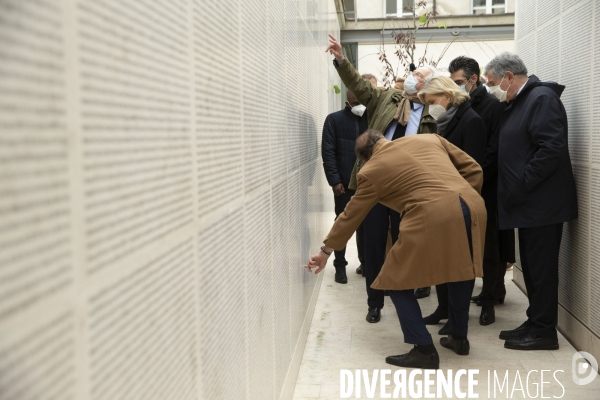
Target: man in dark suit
464	71
536	190
340	131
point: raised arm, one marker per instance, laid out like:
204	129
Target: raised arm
365	92
466	166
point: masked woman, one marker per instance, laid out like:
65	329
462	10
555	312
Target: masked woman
464	128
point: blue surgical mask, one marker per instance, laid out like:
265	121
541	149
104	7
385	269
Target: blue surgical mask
464	88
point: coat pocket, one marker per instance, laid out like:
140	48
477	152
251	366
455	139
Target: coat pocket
511	169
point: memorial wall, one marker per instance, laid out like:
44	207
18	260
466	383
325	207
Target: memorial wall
161	186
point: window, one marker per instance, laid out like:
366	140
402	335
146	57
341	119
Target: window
349	9
396	8
489	6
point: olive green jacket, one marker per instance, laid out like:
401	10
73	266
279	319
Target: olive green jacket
381	104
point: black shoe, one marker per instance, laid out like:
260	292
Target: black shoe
359	270
529	342
445	330
423	292
515	333
475	298
436	317
460	347
340	275
374	315
487	316
415	359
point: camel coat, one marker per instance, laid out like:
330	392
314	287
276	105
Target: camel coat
423	177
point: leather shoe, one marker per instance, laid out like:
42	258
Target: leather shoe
445	330
340	275
359	270
531	342
415	359
487	316
475	298
515	333
436	317
423	292
374	315
460	347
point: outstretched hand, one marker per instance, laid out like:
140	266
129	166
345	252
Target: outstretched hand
317	261
335	49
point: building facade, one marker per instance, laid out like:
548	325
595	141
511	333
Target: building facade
476	28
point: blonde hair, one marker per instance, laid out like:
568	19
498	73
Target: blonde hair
443	85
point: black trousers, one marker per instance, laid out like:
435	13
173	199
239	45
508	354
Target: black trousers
375	231
490	261
340	255
506	250
409	312
490	267
539	248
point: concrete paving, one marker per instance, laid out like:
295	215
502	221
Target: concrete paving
341	339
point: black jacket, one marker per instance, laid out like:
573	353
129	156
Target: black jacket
340	131
536	186
466	131
490	110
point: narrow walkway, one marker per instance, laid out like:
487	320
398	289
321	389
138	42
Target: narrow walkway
340	338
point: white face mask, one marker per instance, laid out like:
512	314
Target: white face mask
498	92
358	110
436	110
410	84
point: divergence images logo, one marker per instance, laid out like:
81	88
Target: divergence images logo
579	368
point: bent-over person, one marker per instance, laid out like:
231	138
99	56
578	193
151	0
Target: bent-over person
436	187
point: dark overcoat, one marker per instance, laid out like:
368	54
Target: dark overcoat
340	131
424	177
490	110
536	186
466	131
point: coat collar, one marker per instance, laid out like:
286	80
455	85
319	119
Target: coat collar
462	109
478	94
397	95
532	83
379	145
347	110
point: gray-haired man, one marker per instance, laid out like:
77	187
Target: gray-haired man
536	190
